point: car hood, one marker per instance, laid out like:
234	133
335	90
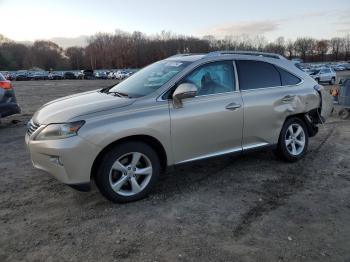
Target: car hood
66	108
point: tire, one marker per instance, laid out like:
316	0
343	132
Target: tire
289	144
131	181
332	82
344	113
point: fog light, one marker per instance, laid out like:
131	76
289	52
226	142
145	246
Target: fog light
56	160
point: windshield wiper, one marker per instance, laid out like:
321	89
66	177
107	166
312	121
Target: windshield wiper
106	89
116	93
120	94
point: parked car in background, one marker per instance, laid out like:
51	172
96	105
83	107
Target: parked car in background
88	74
8	102
22	76
69	75
181	109
79	75
39	76
121	74
9	76
339	68
101	75
307	70
55	76
324	75
111	75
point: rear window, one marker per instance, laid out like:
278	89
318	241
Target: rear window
257	74
287	78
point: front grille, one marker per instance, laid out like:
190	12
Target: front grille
32	127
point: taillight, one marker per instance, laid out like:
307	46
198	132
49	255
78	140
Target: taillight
5	85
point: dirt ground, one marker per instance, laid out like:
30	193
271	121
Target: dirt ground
244	208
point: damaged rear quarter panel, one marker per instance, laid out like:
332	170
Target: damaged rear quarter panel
265	111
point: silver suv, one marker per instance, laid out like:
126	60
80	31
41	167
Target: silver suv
324	75
184	108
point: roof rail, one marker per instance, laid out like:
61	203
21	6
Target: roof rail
185	54
253	53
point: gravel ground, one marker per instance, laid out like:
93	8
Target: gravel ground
244	208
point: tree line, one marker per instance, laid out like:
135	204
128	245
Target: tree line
136	50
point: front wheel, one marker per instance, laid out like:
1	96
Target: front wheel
293	140
128	172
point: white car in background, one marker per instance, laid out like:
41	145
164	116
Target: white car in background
324	75
121	75
339	68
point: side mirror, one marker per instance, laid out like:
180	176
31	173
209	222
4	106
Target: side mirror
184	90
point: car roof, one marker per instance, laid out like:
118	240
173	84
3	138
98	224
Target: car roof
272	58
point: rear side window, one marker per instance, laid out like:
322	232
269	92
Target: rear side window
257	74
287	78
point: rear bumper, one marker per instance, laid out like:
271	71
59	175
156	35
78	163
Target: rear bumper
7	109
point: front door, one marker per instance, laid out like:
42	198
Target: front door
212	122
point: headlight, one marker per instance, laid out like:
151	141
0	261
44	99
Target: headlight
59	131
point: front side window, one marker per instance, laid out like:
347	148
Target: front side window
257	74
213	78
149	79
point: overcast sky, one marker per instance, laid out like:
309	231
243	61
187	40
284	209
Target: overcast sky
33	19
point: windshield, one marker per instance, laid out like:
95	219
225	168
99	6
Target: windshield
149	79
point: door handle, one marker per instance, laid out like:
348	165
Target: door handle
233	106
288	98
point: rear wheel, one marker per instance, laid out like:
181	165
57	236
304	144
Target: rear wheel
128	172
344	113
293	140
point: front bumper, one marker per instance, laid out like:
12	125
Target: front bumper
69	160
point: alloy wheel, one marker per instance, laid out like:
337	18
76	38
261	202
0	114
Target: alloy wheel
130	174
295	139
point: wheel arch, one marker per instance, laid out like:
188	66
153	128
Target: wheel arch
151	141
311	128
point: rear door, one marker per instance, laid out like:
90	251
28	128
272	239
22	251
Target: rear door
268	94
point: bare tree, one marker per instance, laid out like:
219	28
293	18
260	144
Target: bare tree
76	57
347	47
135	50
322	47
336	46
303	46
290	49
